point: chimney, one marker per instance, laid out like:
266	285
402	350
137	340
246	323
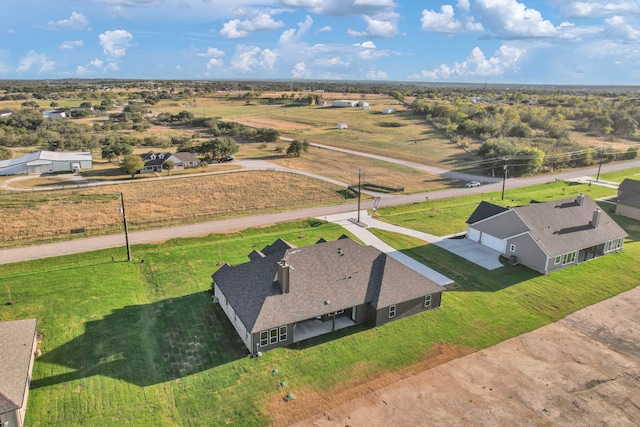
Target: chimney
595	221
580	199
283	276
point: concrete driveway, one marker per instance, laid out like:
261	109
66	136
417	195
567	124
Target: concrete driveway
464	248
472	251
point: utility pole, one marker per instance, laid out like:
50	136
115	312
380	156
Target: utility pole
359	193
126	230
504	177
600	166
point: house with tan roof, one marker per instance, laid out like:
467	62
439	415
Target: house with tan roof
19	340
629	199
286	294
547	236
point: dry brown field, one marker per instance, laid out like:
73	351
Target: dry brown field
44	215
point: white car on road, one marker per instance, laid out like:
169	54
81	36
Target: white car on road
473	184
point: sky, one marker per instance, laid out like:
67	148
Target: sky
581	42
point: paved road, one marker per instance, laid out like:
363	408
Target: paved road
102	242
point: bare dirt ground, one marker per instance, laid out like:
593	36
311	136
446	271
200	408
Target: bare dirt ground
582	370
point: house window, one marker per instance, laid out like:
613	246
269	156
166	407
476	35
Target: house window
427	301
558	260
273	336
512	247
283	333
264	339
392	311
568	258
613	245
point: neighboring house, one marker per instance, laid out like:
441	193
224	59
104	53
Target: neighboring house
58	113
46	162
5	113
153	162
344	103
547	236
286	294
629	199
19	340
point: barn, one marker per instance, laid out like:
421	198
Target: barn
46	162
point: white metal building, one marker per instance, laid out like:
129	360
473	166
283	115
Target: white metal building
46	162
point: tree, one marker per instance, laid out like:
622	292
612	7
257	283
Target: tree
218	148
296	148
30	104
131	164
5	153
168	166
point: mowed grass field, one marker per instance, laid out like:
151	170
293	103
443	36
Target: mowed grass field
43	215
142	344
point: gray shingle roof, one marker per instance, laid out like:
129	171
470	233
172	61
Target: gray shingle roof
483	211
563	226
17	343
629	193
324	277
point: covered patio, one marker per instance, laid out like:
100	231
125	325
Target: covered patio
315	327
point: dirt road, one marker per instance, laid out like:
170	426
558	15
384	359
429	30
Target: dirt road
581	371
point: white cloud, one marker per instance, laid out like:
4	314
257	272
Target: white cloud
377	75
598	8
446	23
368	44
115	43
212	52
214	63
293	35
71	44
77	21
477	65
382	28
443	22
510	19
35	60
325	29
331	62
341	7
299	71
237	29
619	27
95	65
248	59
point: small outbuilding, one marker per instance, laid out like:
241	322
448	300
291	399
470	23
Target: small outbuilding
343	103
389	110
342	126
59	113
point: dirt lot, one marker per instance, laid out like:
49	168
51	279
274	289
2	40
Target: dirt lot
582	370
267	122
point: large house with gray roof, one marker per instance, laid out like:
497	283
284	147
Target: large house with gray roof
18	340
154	162
547	236
286	294
629	199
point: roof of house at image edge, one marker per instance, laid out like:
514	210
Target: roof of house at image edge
324	278
629	193
17	342
45	157
560	226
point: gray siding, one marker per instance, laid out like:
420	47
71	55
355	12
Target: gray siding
256	339
528	252
407	308
628	211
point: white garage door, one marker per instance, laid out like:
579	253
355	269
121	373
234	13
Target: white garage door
493	242
473	234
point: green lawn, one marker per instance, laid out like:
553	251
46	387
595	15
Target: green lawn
140	343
